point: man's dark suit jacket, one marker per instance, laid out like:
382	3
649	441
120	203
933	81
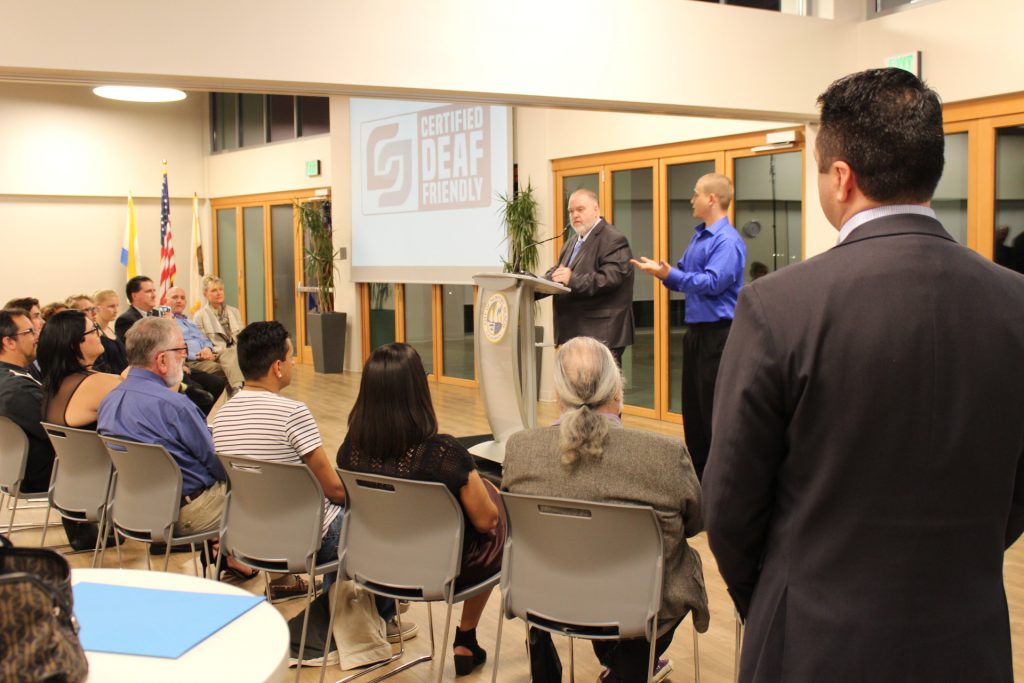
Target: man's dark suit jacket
125	321
601	302
866	471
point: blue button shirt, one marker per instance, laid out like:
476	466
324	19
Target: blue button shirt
195	339
710	272
143	409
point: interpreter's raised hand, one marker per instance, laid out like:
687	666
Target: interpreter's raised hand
658	269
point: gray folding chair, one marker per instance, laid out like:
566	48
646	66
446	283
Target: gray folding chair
557	562
13	459
739	647
403	539
81	479
147	498
273	522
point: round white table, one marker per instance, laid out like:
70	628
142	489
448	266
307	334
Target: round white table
253	647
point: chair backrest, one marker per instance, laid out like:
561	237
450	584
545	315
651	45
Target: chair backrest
81	481
584	569
401	538
274	513
147	489
13	454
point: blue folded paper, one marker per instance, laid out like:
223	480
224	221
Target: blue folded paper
152	622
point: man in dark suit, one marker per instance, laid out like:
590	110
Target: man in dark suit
866	470
595	265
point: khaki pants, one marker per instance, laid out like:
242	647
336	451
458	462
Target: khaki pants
226	365
204	512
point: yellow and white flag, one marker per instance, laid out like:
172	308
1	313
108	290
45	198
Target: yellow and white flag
130	243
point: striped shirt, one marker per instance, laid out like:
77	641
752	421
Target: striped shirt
265	426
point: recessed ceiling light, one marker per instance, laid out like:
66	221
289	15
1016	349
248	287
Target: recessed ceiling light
131	93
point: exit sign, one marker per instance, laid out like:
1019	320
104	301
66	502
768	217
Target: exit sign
910	61
313	168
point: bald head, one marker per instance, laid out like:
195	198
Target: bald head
177	300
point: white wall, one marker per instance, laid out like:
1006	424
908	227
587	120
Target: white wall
69	160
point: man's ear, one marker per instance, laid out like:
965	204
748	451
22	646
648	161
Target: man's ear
843	180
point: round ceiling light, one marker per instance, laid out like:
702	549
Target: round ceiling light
131	93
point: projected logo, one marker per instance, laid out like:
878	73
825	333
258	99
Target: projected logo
430	160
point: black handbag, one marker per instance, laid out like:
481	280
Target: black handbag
38	630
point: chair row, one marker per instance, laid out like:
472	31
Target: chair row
400	538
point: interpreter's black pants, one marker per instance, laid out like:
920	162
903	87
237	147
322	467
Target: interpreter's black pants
702	351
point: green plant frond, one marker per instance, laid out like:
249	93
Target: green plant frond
519	218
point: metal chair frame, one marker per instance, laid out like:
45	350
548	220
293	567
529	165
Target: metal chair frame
403	539
13	461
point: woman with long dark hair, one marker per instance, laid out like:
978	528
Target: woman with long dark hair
392	431
72	390
68	347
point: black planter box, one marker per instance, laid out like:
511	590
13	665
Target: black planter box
327	337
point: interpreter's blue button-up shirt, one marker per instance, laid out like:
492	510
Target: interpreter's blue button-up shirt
143	409
195	339
710	272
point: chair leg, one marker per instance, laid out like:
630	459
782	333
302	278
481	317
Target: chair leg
46	525
572	660
14	509
738	649
696	654
167	551
497	642
653	657
305	624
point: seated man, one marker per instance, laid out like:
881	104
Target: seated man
35	316
259	423
201	387
201	354
21	400
146	408
590	456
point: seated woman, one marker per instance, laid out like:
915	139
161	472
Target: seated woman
392	431
114	358
259	423
218	321
589	455
68	347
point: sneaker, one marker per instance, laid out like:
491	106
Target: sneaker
662	668
409	630
314	657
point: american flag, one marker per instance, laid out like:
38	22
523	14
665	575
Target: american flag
167	269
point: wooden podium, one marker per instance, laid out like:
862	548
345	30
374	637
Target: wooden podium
506	351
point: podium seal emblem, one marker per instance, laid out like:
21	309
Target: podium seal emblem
495	322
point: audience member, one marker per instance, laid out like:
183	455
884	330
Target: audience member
201	355
107	303
589	455
218	321
114	359
52	309
201	388
35	315
867	471
259	423
392	431
68	349
757	270
21	400
145	408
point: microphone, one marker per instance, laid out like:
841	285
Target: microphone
519	257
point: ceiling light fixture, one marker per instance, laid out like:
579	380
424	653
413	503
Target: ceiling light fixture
131	93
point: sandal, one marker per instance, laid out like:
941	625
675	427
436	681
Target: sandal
232	572
464	664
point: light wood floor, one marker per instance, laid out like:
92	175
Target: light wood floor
461	413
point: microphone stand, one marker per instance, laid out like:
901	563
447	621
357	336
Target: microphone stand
519	257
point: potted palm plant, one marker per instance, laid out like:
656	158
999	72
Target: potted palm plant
519	216
326	326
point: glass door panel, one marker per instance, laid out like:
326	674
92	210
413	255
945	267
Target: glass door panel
769	208
950	199
1008	246
255	275
227	254
382	314
680	181
633	214
457	331
282	250
419	322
